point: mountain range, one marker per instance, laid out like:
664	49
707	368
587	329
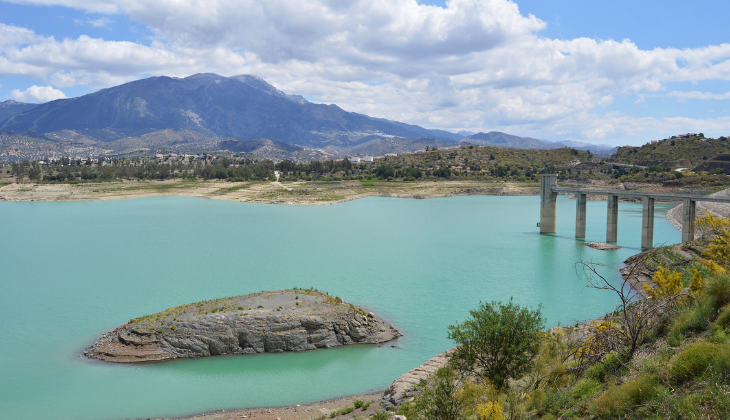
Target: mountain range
228	109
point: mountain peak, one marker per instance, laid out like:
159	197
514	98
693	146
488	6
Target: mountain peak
10	103
262	85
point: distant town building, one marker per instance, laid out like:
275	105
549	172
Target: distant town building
688	135
654	141
367	159
355	160
391	154
627	146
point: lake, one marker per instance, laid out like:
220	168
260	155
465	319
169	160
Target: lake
73	270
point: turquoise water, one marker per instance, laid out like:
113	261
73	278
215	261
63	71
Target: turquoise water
72	270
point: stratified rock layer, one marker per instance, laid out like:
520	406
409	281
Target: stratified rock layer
287	320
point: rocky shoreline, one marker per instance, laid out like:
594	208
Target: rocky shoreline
274	321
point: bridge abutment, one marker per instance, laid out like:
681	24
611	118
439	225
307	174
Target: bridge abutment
580	215
612	219
647	223
688	220
548	202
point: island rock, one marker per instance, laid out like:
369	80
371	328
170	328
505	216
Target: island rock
602	246
274	321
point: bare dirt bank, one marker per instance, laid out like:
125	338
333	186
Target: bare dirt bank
674	215
295	412
293	193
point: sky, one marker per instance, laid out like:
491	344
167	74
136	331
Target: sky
604	72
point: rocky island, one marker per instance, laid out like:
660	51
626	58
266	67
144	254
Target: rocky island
269	321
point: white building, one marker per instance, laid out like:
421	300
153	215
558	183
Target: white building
367	159
355	160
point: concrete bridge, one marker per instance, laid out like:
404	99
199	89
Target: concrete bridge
548	209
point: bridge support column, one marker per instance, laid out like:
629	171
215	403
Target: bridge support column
647	223
580	215
688	220
548	202
612	219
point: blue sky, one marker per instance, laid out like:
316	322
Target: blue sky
618	72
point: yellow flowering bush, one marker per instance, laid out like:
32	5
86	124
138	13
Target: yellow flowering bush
491	410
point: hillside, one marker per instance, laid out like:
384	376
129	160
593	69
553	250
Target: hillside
380	146
242	107
10	108
695	150
492	159
499	139
31	145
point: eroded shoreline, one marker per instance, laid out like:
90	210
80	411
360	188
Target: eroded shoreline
289	193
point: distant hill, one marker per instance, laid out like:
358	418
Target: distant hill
32	145
695	149
380	146
252	145
10	108
509	141
243	107
499	139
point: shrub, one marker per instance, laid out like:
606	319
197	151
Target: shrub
695	317
498	341
718	290
616	400
585	388
438	397
537	399
608	366
723	320
721	364
490	411
692	361
358	404
347	410
380	416
473	393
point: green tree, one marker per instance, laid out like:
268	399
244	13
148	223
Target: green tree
499	341
385	171
437	400
442	172
414	172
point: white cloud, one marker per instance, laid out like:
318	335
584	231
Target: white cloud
476	64
699	95
39	94
100	23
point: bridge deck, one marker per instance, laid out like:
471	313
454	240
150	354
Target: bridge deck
661	196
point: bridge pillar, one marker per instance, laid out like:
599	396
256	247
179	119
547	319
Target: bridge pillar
612	219
647	223
580	215
548	202
688	220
